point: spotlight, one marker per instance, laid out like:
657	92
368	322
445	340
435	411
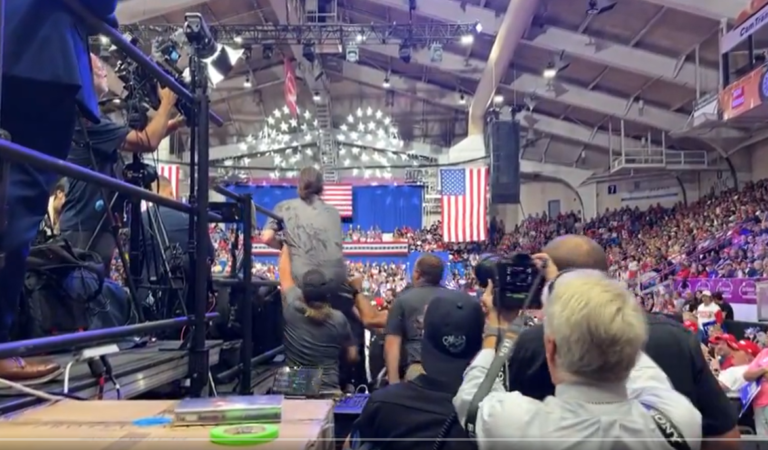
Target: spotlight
353	55
462	99
386	84
308	52
467	39
267	51
435	53
550	71
405	53
222	62
247	82
316	97
498	100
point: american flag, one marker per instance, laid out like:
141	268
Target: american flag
340	196
464	202
173	173
290	89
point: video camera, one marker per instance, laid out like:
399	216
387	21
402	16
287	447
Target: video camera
515	278
141	89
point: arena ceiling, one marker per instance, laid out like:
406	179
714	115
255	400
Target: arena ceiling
644	62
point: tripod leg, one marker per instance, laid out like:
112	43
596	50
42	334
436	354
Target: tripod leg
4	174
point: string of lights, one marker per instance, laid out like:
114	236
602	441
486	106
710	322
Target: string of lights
369	146
418	34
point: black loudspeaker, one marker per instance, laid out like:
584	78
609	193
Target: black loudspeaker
503	143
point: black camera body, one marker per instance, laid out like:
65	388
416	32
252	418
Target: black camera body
515	278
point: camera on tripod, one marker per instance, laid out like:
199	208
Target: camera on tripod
515	278
138	173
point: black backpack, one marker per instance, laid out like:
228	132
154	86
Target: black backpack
60	284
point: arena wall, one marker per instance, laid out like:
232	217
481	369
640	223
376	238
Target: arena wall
758	160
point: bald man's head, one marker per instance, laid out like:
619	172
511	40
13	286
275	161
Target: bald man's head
163	186
576	252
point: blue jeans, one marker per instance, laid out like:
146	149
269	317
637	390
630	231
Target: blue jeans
39	116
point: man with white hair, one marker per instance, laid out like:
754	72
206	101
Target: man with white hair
606	388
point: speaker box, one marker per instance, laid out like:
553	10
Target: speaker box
503	143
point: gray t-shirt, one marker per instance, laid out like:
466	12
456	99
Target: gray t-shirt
314	236
406	318
312	344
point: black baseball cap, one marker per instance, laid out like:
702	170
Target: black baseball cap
453	334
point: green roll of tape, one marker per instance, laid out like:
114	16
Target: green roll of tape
242	435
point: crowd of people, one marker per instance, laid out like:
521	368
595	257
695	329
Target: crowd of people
719	236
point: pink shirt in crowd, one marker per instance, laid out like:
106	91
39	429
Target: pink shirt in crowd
761	399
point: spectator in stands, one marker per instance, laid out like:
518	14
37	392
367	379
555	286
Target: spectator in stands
669	345
724	306
405	324
743	353
411	415
707	311
757	371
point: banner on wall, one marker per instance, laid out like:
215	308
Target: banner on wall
735	290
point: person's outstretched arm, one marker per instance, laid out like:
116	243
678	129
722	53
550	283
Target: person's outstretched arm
290	291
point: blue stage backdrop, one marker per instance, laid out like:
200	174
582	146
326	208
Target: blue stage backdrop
385	207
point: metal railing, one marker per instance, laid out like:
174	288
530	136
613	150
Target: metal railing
197	209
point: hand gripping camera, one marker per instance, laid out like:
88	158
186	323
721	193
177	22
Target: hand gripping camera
515	278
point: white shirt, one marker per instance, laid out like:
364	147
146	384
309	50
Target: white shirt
579	416
706	313
733	377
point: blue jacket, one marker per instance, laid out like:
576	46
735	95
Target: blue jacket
44	41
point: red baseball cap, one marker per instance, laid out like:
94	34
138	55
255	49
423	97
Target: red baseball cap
745	346
691	325
728	338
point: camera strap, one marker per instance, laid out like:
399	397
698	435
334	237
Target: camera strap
667	428
503	352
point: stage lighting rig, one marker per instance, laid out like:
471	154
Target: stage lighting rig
421	34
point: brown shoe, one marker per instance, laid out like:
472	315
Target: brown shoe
19	370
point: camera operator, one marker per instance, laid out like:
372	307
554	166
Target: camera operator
45	62
670	345
412	415
50	225
315	334
97	146
405	324
607	388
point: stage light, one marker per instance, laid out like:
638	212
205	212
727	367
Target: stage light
247	82
405	52
222	62
308	52
550	71
385	84
436	53
267	51
467	39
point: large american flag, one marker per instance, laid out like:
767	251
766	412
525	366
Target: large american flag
290	89
340	196
463	194
173	173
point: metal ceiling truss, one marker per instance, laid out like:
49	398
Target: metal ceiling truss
554	39
419	34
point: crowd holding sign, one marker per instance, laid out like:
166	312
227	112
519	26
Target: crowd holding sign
735	290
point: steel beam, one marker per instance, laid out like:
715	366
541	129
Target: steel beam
712	9
557	91
446	98
576	45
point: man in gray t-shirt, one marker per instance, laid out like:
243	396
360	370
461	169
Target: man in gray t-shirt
312	230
